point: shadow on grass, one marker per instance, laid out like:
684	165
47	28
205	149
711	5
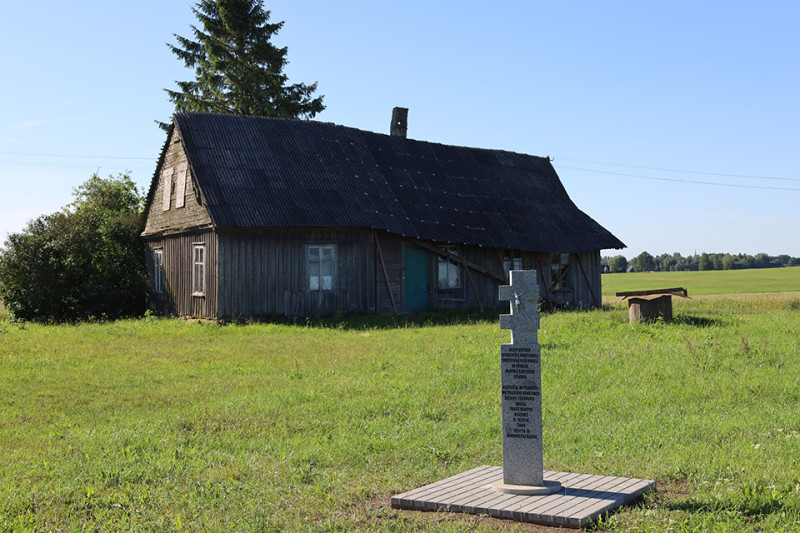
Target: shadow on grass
696	321
756	500
367	322
748	507
414	320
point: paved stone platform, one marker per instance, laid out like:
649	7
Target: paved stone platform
583	497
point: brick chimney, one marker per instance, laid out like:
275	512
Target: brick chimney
399	122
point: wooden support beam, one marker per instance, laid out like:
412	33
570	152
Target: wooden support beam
502	265
588	283
445	253
544	282
469	277
385	273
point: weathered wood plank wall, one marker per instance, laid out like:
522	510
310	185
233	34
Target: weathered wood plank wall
589	295
576	294
583	281
392	251
178	260
265	273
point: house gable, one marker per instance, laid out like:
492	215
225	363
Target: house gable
175	204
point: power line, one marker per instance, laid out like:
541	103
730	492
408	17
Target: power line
703	173
56	164
596	171
66	165
677	180
79	156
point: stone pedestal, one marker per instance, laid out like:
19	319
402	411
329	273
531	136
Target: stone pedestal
582	498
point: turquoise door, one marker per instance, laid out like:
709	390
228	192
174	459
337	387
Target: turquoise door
417	278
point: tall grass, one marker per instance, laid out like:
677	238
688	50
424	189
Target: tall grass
162	424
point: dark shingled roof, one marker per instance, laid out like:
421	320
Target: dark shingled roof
257	172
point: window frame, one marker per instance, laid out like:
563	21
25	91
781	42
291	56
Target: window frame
199	269
316	267
451	267
158	270
512	261
560	266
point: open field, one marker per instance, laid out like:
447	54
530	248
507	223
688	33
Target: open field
163	424
706	282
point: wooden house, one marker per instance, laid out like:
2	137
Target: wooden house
249	216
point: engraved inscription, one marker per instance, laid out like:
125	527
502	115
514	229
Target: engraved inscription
520	390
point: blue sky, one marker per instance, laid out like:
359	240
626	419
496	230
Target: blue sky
674	125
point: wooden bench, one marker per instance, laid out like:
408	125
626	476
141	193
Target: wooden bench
649	306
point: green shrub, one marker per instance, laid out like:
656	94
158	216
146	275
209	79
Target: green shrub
82	262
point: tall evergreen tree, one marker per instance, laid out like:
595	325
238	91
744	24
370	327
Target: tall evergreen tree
237	69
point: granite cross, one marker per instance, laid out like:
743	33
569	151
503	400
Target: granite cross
523	468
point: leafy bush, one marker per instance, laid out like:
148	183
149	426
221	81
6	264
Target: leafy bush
618	263
81	262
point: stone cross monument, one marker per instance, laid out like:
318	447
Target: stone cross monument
523	469
518	489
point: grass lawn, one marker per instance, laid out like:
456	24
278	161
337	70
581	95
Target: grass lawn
163	424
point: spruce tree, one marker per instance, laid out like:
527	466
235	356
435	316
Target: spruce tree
237	69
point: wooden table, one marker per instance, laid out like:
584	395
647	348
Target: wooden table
651	305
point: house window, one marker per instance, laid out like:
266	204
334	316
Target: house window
158	270
559	272
511	261
449	272
199	270
321	260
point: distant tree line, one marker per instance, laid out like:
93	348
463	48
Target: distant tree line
645	262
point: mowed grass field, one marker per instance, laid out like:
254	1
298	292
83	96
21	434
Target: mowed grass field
706	282
171	425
